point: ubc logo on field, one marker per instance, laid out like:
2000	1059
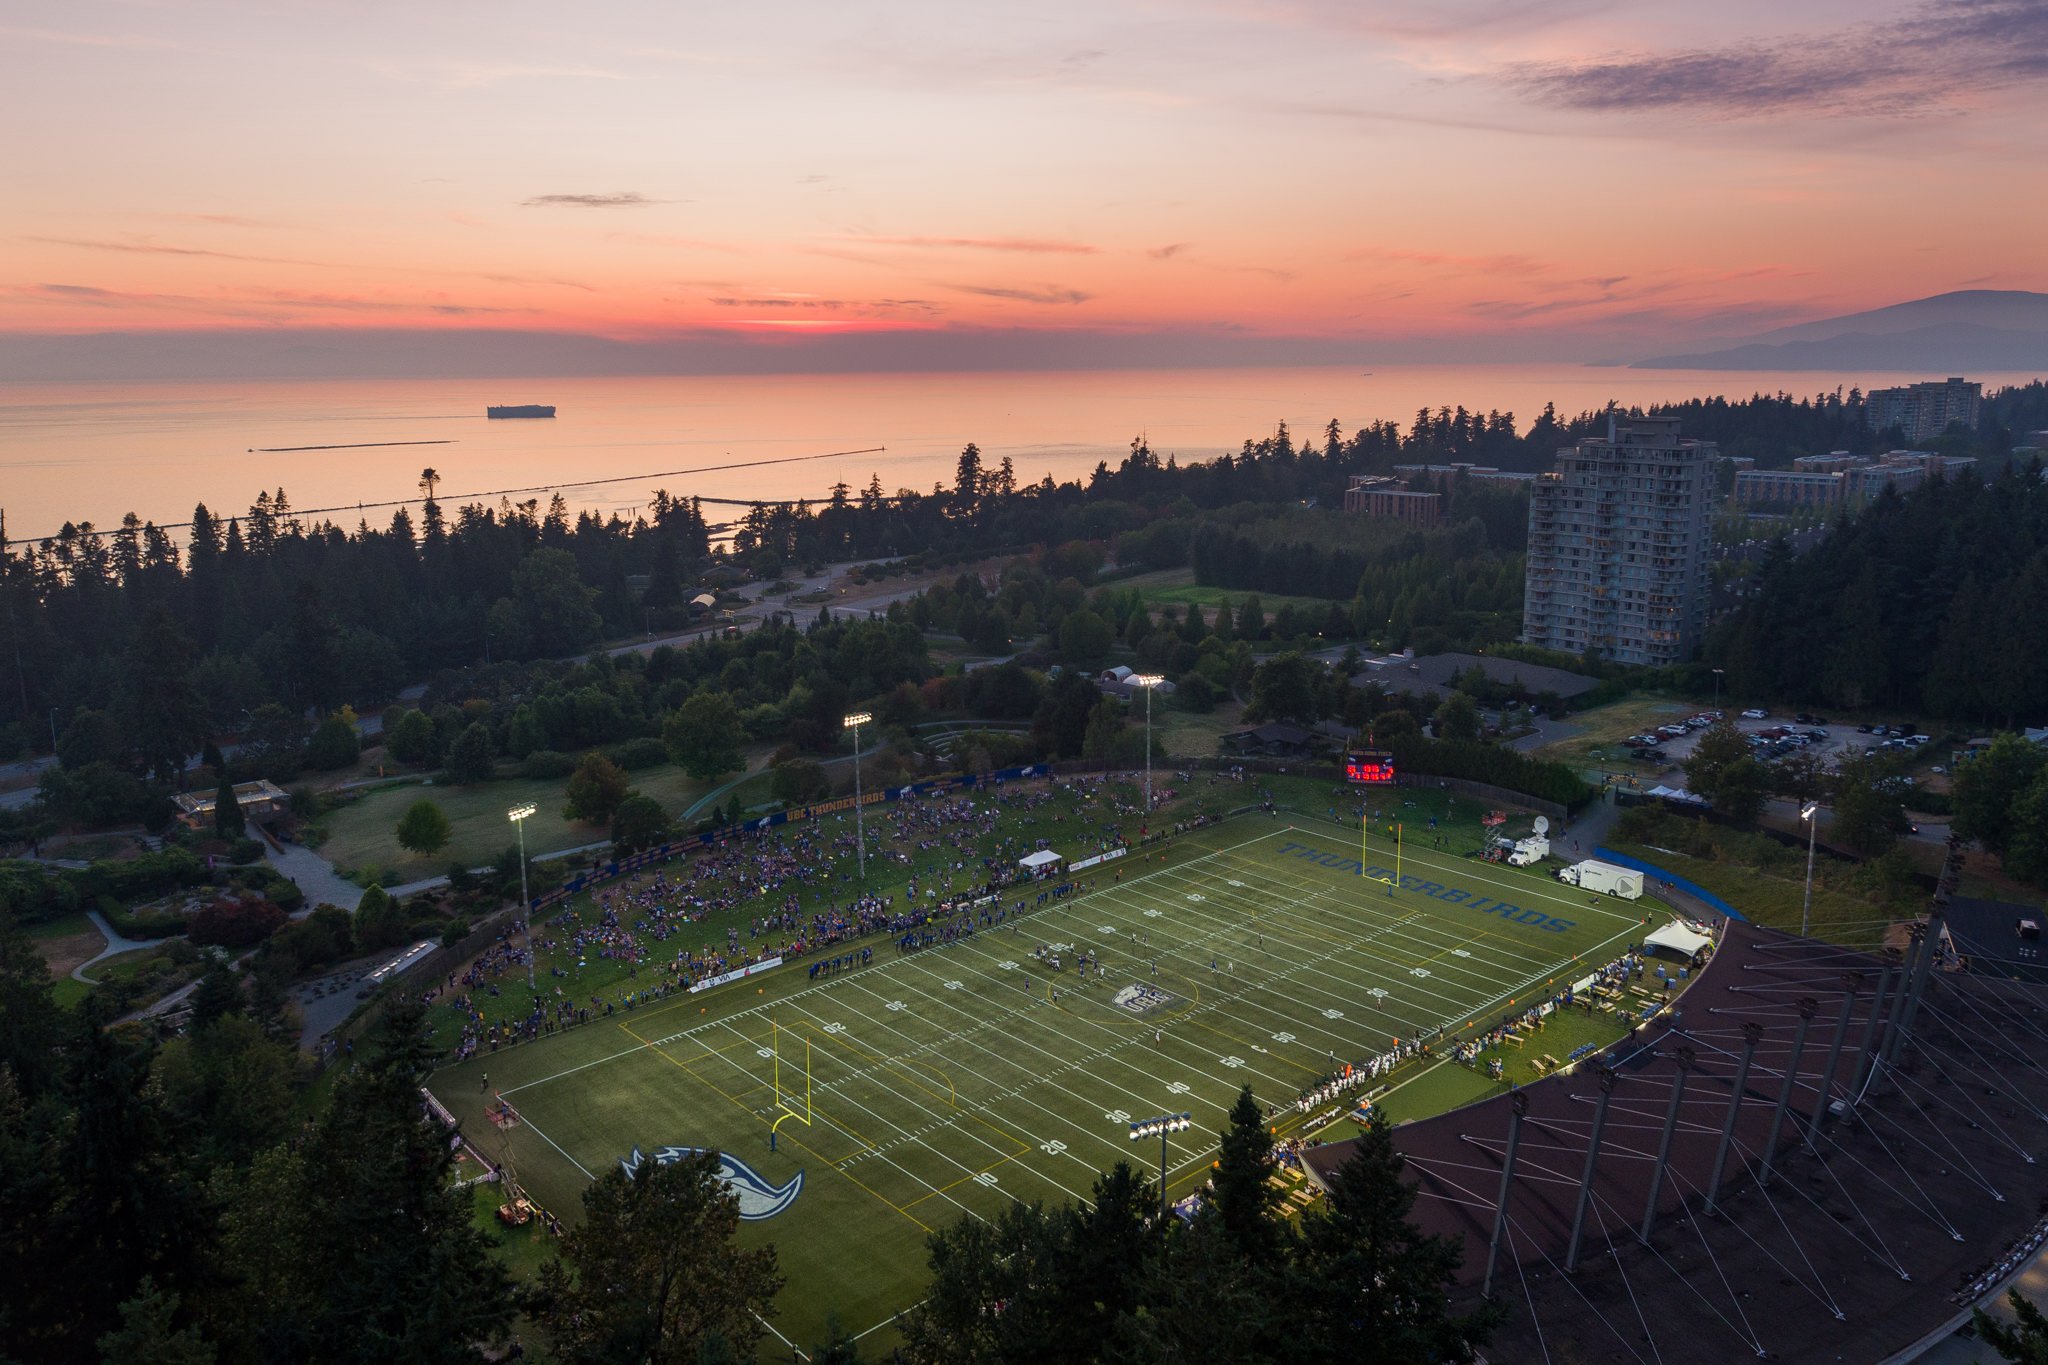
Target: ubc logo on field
1471	900
758	1198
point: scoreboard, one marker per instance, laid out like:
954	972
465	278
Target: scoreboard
1369	767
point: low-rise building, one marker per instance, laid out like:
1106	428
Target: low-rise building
1384	498
260	800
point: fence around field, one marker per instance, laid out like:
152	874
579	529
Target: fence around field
1608	855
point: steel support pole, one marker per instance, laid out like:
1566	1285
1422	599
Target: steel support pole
1684	1059
1930	947
1148	752
1162	1178
1807	1007
860	819
1806	907
1516	1109
526	910
1752	1034
1866	1058
1852	983
1571	1255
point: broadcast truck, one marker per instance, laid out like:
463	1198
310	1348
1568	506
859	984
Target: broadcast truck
1594	875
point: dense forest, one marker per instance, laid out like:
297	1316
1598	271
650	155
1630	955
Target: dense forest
272	608
1934	601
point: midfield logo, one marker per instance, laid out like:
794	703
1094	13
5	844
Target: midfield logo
758	1197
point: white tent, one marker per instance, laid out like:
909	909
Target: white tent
1675	937
1039	863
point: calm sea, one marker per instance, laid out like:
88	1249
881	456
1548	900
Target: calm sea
80	452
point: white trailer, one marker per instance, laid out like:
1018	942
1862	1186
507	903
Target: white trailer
1594	875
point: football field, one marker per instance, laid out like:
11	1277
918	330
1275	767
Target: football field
928	1086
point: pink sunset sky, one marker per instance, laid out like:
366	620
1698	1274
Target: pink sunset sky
1484	172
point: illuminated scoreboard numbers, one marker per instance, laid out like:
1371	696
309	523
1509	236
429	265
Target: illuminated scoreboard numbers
1369	768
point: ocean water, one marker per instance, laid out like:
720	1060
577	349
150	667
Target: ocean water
87	452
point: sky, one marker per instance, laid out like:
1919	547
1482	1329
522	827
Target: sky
1458	177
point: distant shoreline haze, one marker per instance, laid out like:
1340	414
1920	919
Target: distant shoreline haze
92	452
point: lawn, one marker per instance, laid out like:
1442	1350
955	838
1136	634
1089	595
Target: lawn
362	833
1603	728
874	1105
1178	587
67	942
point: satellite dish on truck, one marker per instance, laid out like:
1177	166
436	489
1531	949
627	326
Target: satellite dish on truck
1543	824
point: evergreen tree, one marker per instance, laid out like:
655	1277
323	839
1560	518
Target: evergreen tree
228	820
1367	1286
652	1272
1243	1200
356	1245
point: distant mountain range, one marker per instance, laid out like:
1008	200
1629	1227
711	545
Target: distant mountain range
1955	333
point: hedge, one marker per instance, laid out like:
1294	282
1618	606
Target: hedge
1476	762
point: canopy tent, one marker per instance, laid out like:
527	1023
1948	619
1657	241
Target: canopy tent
1039	863
1677	938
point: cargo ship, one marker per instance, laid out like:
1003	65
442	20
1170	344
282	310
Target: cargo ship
521	410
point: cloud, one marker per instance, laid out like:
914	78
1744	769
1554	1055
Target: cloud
149	248
1938	57
1167	252
1044	294
268	304
1506	264
1023	244
624	199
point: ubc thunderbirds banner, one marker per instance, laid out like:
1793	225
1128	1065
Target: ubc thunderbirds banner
1450	895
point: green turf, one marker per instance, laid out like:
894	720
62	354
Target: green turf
939	1085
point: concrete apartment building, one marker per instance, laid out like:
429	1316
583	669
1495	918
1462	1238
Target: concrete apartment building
1619	545
1924	411
1825	480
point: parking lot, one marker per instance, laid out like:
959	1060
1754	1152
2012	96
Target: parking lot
1777	736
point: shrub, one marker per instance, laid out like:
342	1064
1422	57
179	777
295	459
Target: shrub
139	923
236	924
245	851
547	763
636	754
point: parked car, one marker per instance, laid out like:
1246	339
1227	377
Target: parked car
1756	713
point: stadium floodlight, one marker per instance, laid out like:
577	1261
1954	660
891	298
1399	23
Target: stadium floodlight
1160	1127
860	822
1148	681
1807	813
518	815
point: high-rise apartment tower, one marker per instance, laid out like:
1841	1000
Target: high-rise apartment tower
1619	543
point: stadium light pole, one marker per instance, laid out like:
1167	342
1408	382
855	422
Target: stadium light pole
1807	813
1163	1125
1148	681
517	815
860	826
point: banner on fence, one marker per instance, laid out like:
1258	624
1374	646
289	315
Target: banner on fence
723	977
1087	863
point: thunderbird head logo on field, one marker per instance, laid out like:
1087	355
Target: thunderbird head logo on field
758	1197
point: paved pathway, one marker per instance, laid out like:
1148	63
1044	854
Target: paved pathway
1547	731
314	875
115	944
